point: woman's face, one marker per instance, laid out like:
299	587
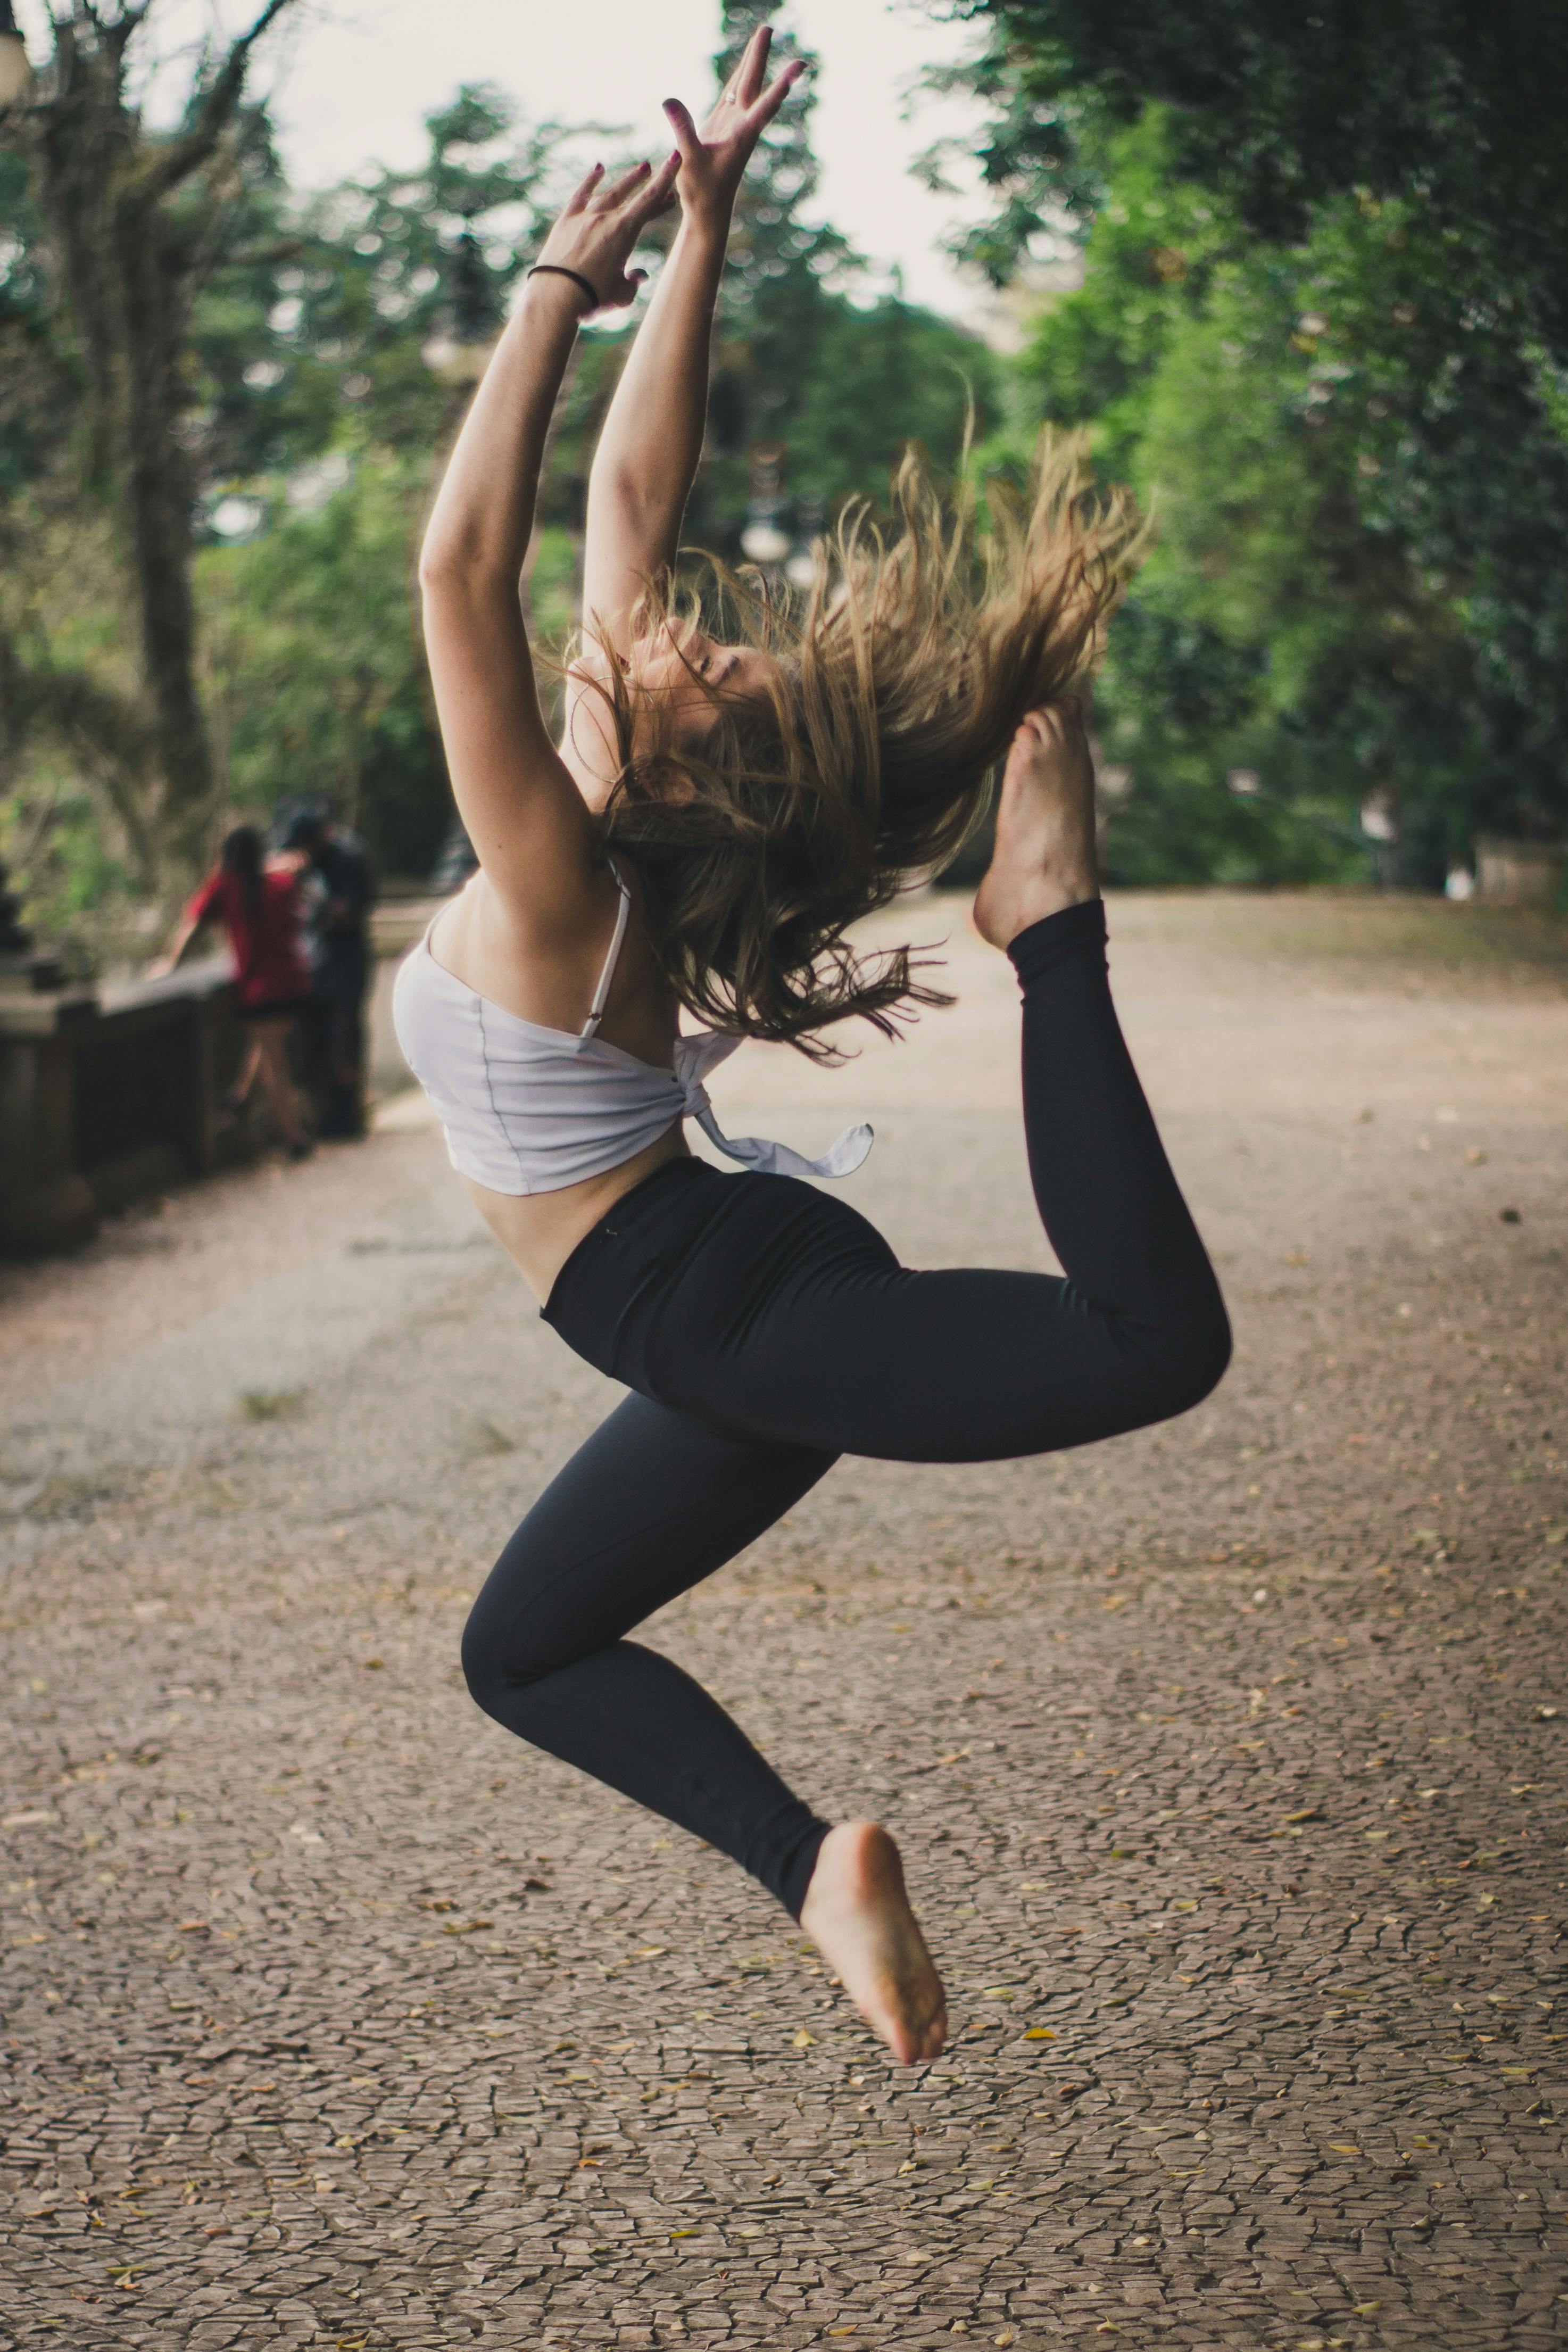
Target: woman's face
683	668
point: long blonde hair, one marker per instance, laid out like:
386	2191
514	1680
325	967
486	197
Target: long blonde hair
894	690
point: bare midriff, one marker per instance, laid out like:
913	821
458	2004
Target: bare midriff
539	1231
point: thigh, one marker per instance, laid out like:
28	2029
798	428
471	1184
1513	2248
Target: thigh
797	1324
970	1364
654	1502
270	1039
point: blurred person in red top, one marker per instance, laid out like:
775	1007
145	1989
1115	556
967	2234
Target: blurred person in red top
257	900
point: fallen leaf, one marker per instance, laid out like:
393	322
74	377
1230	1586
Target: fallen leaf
804	2040
1040	2033
1343	2148
1307	1813
682	2233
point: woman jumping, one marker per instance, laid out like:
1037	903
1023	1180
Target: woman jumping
715	818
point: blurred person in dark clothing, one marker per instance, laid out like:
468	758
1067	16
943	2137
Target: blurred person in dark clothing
336	929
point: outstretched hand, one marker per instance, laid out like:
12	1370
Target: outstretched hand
597	234
713	159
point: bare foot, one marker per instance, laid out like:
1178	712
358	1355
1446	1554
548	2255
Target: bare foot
1045	858
858	1916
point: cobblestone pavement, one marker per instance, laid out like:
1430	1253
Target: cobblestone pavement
1229	1756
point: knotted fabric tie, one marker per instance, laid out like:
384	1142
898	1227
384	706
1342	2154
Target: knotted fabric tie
695	1056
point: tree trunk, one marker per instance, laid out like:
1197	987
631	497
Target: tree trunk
156	496
126	264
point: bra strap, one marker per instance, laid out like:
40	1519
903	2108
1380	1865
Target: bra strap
602	994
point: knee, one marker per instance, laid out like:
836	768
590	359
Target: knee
496	1660
479	1659
1199	1353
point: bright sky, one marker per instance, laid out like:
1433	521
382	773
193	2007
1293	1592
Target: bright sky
350	80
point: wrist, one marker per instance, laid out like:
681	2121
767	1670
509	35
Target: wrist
549	294
706	235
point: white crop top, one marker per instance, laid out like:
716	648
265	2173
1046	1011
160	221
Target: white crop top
529	1109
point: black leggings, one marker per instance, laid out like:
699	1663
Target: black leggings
764	1328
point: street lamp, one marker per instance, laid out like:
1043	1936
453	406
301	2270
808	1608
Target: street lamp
15	73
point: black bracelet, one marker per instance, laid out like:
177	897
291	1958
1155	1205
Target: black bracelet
554	269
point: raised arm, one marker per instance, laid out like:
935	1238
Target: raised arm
522	812
651	439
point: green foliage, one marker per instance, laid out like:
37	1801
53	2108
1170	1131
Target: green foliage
37	376
330	349
1360	583
336	309
1455	109
315	678
840	384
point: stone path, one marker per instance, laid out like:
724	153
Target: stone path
1229	1756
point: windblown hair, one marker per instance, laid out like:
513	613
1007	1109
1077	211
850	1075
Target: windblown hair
244	856
892	694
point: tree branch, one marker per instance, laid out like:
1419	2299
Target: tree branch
104	728
168	165
128	21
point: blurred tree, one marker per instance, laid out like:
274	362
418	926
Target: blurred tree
840	385
775	301
311	662
376	301
321	348
124	218
1454	109
1356	450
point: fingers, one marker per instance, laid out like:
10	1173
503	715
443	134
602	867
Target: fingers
579	196
686	134
617	192
753	66
656	197
765	108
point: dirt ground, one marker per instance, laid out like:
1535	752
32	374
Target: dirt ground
1227	1756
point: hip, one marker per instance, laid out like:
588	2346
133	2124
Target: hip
694	1267
542	1232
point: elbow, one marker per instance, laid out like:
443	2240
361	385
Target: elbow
456	564
443	563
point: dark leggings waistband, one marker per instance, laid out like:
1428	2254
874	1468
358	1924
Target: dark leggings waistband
655	1192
